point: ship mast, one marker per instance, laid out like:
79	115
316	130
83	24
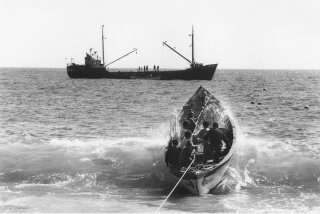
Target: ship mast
192	45
102	45
192	62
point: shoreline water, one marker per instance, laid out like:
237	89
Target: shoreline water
97	145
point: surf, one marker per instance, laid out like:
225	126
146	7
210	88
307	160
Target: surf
137	162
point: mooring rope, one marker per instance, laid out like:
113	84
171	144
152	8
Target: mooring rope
175	186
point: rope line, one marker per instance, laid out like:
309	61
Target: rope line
175	186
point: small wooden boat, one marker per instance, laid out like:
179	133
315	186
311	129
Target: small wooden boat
201	178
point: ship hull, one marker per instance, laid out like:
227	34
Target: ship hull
199	73
84	71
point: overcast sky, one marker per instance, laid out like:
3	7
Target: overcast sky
280	34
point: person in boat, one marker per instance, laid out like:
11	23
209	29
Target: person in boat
173	153
186	155
186	138
227	142
185	127
191	120
214	138
199	137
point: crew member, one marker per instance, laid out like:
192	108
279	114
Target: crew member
185	139
186	155
213	147
173	153
190	119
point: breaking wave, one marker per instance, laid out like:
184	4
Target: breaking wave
137	162
84	165
273	166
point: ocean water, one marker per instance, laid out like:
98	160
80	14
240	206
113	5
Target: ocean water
81	145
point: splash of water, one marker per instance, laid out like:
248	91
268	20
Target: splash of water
87	165
131	161
273	164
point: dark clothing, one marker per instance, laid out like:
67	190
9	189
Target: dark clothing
185	156
198	138
172	155
221	132
214	139
192	124
182	132
208	153
201	133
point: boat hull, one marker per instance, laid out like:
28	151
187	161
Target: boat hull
199	73
201	182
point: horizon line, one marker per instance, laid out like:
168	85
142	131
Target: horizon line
313	69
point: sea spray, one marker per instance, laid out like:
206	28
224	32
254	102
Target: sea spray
273	163
123	161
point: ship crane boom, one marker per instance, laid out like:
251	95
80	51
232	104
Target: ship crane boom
176	52
134	50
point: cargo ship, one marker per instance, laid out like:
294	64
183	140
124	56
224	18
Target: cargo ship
94	68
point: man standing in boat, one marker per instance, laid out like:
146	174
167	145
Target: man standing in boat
185	139
173	153
214	139
198	139
191	119
186	155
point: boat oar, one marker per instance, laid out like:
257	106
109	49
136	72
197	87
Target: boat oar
175	185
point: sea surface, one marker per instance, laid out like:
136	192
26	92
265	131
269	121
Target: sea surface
96	145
